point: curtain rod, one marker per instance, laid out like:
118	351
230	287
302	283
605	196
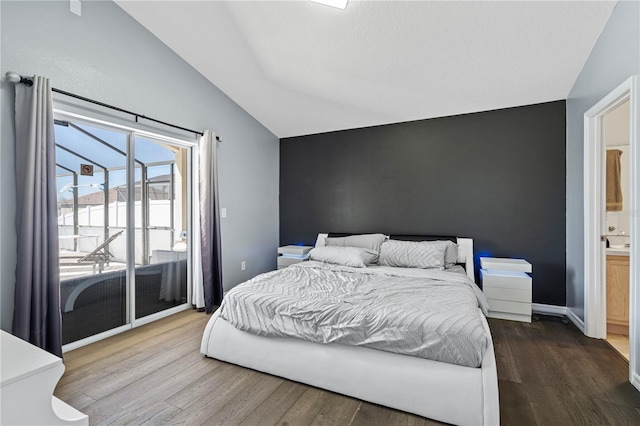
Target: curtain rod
17	78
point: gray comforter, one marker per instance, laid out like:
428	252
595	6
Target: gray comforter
423	313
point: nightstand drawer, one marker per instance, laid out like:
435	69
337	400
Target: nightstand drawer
284	261
509	307
510	294
505	279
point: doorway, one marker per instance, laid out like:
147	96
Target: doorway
615	134
597	227
124	214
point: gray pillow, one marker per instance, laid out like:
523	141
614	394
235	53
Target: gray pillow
347	256
413	254
366	241
450	254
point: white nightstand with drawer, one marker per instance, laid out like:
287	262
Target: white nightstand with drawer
289	255
507	286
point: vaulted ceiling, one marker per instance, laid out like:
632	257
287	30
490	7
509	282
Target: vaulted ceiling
301	68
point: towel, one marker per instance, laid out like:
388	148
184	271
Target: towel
614	187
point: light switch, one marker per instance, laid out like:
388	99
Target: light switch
223	213
75	7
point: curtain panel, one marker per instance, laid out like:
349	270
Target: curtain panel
210	245
36	317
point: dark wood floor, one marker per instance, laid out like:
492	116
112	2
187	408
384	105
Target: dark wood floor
549	374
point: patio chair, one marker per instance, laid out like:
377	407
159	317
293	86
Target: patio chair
100	256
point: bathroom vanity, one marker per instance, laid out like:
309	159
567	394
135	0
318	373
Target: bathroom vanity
618	291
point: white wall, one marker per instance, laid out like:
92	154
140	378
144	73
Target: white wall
614	58
106	55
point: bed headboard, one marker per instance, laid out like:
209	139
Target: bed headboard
465	246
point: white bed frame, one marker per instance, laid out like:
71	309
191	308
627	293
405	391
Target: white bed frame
436	390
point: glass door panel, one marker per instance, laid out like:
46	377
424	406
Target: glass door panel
92	236
161	218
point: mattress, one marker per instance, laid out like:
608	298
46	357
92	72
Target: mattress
427	314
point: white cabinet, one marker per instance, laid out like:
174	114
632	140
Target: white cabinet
507	287
289	255
29	376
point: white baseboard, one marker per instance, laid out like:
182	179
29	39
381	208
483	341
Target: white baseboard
576	320
540	308
635	381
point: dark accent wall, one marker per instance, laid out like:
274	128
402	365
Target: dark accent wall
496	176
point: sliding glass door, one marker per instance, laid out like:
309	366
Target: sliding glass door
124	211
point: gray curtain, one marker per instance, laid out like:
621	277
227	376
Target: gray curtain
210	222
36	317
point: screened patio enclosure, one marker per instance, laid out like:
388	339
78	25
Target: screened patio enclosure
107	178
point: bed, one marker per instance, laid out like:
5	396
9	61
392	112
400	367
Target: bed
443	391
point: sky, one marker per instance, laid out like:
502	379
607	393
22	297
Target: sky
96	153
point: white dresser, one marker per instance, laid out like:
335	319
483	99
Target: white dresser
507	286
28	377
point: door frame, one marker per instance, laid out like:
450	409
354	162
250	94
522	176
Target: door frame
594	216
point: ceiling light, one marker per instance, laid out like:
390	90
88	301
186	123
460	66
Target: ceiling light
340	4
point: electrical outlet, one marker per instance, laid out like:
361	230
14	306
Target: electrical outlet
243	265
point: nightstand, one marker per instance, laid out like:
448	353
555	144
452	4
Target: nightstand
289	255
507	285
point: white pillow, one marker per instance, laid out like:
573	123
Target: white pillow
413	254
348	256
365	241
